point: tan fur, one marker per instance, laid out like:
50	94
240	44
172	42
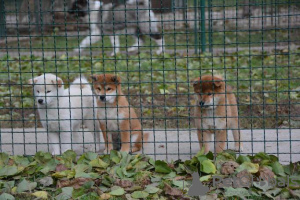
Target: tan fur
218	113
123	121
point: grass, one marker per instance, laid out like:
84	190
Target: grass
178	39
266	85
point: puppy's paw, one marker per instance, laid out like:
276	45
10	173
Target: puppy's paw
239	148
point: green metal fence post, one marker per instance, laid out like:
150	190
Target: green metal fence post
195	25
202	27
2	20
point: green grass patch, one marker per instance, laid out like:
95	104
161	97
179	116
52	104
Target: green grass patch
266	85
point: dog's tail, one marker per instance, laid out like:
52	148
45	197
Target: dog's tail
81	83
140	140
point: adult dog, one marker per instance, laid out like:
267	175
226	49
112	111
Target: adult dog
112	18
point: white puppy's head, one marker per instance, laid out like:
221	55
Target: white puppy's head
47	89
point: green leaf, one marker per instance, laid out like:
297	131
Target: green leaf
202	158
250	167
5	196
236	192
3	159
277	168
151	189
26	186
43	157
99	163
139	194
115	156
66	193
242	159
208	167
8	171
41	194
263	185
117	191
205	178
162	167
181	184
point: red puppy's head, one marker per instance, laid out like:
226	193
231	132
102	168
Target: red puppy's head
106	87
209	90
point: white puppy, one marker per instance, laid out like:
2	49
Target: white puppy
63	111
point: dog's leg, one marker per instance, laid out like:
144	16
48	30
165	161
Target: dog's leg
220	140
136	45
237	137
93	125
107	139
54	140
204	139
115	43
161	46
65	138
125	136
89	40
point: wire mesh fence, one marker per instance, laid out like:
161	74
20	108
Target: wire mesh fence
152	54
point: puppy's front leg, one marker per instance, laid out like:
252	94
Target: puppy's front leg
54	140
65	138
125	136
107	139
220	139
204	139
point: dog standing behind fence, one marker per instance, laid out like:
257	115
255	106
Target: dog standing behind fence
63	111
215	112
113	18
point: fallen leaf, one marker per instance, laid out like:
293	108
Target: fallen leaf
172	191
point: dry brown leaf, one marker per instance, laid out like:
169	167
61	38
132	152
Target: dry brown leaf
229	167
123	183
243	179
172	191
60	167
75	183
265	173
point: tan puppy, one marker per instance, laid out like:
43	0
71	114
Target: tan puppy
215	112
115	114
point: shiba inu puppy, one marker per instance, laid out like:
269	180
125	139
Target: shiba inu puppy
115	114
63	111
215	112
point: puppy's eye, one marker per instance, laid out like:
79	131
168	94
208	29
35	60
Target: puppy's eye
38	91
209	94
98	89
108	89
48	91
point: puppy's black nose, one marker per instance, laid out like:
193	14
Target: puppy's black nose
40	101
102	97
201	103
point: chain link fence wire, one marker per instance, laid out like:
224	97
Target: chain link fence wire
157	48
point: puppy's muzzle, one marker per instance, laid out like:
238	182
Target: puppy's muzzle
102	97
40	101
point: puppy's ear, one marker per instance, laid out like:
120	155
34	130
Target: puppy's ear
195	81
116	79
32	81
94	77
218	81
57	82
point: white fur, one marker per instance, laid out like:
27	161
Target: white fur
111	118
65	110
95	35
